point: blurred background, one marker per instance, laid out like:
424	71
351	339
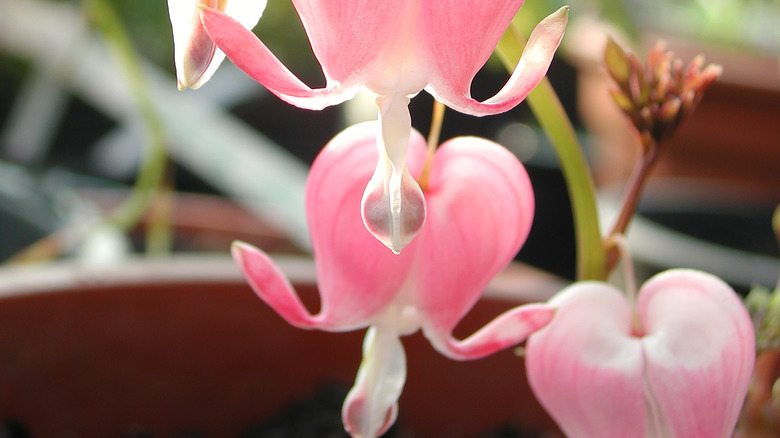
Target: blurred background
76	127
146	327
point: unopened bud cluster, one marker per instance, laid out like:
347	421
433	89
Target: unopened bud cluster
658	95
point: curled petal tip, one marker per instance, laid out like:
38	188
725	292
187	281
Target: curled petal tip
551	29
271	285
556	21
510	328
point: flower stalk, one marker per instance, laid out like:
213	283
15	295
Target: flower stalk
656	97
556	124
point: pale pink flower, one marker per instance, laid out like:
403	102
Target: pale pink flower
395	49
195	54
480	208
677	366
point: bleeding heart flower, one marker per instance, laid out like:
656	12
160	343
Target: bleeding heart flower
195	54
480	205
677	366
395	49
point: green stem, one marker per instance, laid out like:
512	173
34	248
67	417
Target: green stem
151	176
552	117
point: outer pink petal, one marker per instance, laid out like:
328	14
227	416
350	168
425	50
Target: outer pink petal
270	284
247	52
508	329
358	276
700	351
685	375
355	39
456	65
585	368
480	209
460	35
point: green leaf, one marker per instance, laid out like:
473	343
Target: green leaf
552	117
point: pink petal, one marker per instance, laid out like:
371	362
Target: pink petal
480	209
463	30
506	330
457	64
684	375
585	368
195	54
270	284
700	351
249	54
354	40
358	276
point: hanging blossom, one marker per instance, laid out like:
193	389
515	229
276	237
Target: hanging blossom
480	209
676	365
195	54
395	49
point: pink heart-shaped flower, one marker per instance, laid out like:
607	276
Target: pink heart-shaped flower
480	208
676	366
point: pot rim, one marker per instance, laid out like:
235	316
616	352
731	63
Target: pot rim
60	275
516	282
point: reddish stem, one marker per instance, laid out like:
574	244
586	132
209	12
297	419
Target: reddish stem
631	197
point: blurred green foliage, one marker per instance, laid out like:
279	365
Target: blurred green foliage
149	28
148	25
742	23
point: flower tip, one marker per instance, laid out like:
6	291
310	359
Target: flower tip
394	229
355	423
238	249
394	236
561	13
393	213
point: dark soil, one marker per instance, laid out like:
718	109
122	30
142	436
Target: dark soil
316	417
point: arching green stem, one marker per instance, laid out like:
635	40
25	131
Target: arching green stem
553	119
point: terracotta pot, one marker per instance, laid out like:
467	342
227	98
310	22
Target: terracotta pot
183	344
